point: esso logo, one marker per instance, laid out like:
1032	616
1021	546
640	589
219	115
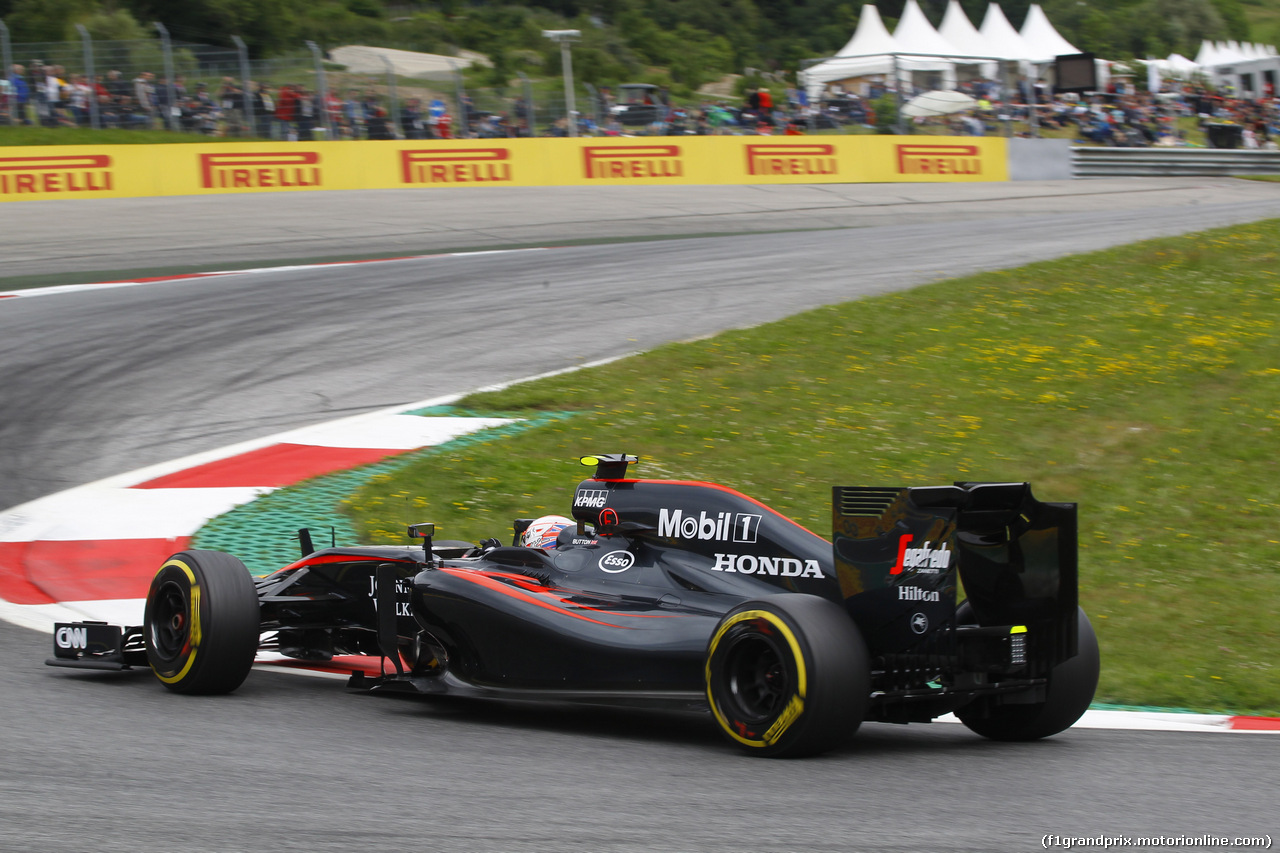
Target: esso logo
617	561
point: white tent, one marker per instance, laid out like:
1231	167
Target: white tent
916	35
957	30
1003	41
1180	66
1044	41
871	38
871	50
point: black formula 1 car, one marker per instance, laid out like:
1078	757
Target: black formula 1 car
671	594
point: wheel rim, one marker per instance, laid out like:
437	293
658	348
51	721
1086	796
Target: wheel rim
169	628
757	681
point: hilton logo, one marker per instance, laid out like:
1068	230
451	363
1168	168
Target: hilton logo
632	161
455	165
66	173
285	170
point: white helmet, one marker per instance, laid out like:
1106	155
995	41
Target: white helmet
543	532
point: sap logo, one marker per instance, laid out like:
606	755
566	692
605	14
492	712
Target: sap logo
925	560
591	498
750	564
915	593
726	527
72	638
617	561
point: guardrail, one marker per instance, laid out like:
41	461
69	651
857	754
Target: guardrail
1115	162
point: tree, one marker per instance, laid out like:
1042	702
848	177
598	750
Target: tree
47	20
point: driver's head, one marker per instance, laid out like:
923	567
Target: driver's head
543	531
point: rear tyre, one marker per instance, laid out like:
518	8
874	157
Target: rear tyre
202	622
788	676
1070	690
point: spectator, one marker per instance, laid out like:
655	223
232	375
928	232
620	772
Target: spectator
286	113
412	123
20	92
117	87
164	96
233	106
144	96
379	127
79	93
305	113
54	90
263	110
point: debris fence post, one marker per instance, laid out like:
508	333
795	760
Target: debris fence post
94	120
166	46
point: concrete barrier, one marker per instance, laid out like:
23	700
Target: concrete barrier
1040	159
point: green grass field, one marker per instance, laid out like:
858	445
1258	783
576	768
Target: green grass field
1141	382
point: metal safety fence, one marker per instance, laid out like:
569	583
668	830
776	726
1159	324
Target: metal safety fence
166	84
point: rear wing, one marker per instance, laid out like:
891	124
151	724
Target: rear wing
1014	558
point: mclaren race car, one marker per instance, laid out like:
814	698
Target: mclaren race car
670	594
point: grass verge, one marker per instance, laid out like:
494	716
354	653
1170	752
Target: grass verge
24	135
1142	382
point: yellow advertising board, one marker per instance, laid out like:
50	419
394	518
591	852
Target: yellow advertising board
240	167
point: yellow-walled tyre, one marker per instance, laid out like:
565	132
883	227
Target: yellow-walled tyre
787	676
202	622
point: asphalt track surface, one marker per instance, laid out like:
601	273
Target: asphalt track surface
100	382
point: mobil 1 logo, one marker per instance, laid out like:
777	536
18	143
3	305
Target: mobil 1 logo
720	526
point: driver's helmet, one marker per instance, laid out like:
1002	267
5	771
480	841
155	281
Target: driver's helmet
543	531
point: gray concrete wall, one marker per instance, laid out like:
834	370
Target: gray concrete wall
1039	159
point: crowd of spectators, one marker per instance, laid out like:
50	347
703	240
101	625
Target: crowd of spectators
1126	117
47	95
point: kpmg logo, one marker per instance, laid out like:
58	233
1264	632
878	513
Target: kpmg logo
455	165
594	498
939	160
59	173
276	170
632	161
782	158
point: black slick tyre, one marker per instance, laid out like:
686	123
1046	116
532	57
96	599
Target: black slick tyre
787	676
1070	690
202	623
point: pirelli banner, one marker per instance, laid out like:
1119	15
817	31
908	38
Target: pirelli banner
240	167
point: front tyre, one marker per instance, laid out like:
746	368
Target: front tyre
787	675
1067	696
202	623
